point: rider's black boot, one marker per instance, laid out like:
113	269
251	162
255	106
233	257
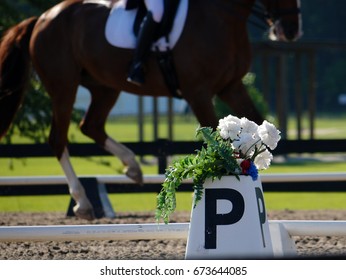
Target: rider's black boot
144	42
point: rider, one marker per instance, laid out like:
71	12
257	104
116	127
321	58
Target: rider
145	38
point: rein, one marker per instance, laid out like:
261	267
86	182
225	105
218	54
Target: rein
267	15
257	10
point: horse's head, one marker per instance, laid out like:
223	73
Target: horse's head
284	17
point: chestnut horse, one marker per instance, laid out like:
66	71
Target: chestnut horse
66	46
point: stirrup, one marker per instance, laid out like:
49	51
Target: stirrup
136	75
134	81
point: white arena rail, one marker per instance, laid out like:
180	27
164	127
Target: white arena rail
94	232
150	231
158	179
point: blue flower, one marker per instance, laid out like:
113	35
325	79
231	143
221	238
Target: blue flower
253	172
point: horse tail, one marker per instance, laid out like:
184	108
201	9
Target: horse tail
15	70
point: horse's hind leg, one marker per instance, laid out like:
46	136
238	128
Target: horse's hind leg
63	96
93	125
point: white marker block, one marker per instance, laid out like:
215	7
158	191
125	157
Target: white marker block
230	222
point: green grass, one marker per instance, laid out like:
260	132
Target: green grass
50	166
305	200
308	165
54	203
326	127
58	203
147	202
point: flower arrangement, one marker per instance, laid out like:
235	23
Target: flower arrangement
237	147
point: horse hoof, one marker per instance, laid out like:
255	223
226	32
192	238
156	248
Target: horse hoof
87	214
135	174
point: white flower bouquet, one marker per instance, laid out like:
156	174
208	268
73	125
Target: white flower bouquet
237	147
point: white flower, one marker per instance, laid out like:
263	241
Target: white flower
248	126
246	144
263	160
269	134
229	127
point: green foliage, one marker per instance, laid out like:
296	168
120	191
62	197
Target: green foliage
14	11
7	16
33	118
213	161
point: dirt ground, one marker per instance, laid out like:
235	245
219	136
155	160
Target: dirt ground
307	247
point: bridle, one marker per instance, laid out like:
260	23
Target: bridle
273	12
266	16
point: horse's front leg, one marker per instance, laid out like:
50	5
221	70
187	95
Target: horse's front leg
83	208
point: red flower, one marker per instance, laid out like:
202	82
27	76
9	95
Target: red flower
245	165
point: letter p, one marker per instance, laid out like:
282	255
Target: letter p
213	219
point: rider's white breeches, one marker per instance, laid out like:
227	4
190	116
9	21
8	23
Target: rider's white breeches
156	7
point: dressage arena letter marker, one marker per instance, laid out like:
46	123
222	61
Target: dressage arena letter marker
230	221
213	219
261	211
